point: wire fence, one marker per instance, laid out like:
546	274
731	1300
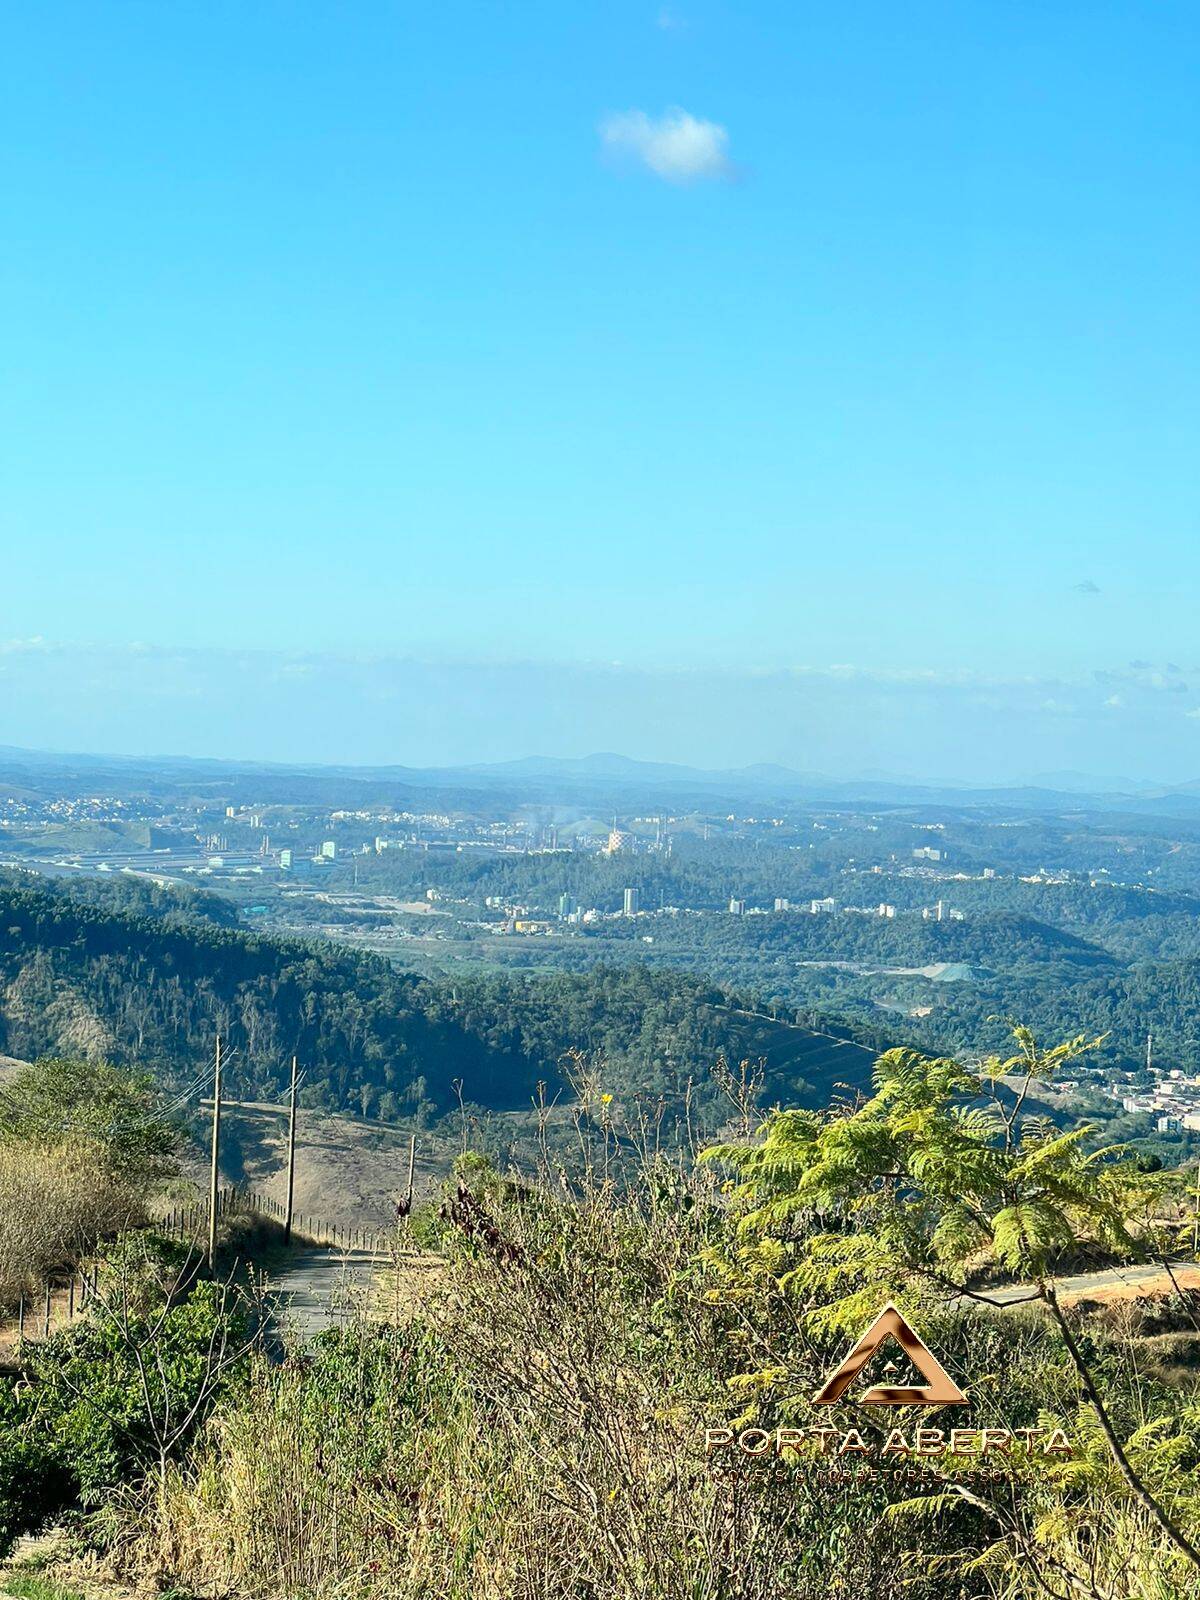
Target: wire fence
66	1295
190	1222
61	1299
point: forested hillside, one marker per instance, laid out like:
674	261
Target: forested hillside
797	936
78	978
148	976
130	894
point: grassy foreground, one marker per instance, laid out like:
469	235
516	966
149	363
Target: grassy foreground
535	1429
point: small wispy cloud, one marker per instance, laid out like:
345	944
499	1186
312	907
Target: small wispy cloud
677	147
669	20
1086	587
1143	676
1194	713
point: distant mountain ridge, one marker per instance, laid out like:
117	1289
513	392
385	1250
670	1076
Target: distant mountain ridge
596	775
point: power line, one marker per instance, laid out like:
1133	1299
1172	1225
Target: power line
197	1086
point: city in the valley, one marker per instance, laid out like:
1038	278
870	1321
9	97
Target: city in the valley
890	913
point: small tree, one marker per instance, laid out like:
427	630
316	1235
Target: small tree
943	1167
119	1394
123	1391
83	1147
120	1113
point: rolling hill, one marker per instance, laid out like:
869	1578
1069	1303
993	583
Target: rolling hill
85	978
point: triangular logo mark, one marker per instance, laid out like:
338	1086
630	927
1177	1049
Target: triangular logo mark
939	1389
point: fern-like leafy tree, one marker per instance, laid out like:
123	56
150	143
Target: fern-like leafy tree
943	1169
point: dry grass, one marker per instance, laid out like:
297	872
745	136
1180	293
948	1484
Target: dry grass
533	1432
55	1203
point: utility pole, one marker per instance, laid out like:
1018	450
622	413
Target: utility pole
291	1170
404	1201
1149	1050
214	1193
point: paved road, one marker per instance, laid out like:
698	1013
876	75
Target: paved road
317	1288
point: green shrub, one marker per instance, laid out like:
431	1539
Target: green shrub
120	1392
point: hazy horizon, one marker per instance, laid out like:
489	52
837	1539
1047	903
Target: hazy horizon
717	386
362	710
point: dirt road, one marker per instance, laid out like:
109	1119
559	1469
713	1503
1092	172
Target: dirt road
1117	1283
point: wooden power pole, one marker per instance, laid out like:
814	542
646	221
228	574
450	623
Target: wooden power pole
214	1192
291	1166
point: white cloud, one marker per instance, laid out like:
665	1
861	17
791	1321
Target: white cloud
676	146
1195	712
1141	675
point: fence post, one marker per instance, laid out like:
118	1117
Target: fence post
21	1317
46	1325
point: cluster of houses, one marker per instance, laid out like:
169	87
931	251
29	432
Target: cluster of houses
1173	1101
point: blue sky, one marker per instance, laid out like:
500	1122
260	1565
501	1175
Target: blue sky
365	351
